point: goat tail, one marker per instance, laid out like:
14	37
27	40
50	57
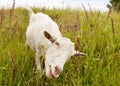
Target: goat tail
29	10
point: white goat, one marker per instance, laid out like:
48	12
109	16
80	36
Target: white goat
44	37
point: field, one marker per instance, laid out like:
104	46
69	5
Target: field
95	33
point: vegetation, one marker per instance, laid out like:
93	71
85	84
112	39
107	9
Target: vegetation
115	5
95	33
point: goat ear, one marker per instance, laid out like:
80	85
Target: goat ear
77	53
49	37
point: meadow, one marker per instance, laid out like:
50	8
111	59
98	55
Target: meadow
95	33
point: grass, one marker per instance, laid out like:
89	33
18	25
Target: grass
99	35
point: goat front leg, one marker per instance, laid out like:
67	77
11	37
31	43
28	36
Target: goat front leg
37	59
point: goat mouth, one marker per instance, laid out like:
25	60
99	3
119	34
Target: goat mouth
56	74
53	74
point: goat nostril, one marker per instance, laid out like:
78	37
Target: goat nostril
57	70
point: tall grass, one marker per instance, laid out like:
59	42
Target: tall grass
95	33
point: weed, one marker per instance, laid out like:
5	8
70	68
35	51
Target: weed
93	33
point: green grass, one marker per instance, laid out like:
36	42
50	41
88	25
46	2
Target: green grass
97	38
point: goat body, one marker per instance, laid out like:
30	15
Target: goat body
44	37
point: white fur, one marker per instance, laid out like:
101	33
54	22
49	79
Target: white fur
56	56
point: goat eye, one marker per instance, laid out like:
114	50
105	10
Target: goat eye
58	56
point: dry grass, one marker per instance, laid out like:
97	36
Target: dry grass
94	33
